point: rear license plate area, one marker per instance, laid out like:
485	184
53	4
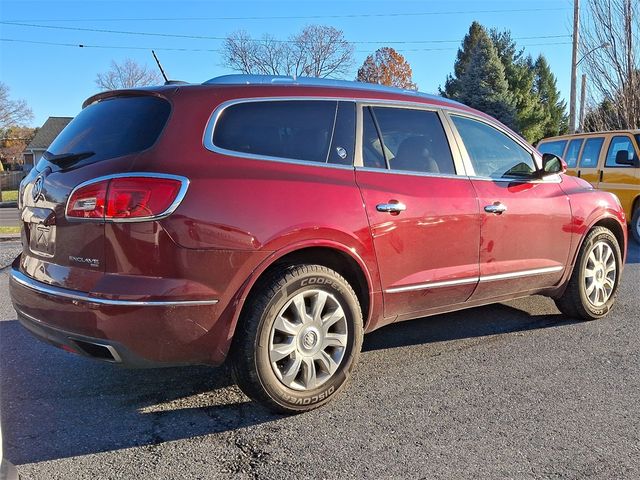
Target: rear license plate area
42	239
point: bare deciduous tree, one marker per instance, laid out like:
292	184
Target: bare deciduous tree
127	74
317	51
12	112
610	59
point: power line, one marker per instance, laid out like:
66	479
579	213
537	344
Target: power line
125	47
206	37
303	17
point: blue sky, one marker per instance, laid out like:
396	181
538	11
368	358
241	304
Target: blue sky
56	79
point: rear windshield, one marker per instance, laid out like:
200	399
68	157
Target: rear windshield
556	148
113	127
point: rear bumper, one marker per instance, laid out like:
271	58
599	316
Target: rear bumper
132	332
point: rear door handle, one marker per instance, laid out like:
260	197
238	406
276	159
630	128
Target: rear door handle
391	207
497	208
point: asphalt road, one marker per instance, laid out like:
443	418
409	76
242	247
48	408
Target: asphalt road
9	217
514	390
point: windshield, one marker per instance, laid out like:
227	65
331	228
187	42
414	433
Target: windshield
112	128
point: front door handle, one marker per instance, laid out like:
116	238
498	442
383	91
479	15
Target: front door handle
600	175
391	207
497	208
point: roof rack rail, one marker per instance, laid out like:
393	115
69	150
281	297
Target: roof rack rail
241	79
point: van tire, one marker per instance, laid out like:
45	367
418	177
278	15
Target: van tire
635	223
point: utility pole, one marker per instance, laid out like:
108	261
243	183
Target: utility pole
574	66
583	93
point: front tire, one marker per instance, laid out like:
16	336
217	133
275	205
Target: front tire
298	339
593	285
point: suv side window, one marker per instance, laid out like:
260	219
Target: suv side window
372	154
617	144
591	152
572	152
413	140
289	129
343	142
492	153
556	147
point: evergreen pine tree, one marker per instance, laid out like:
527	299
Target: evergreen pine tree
556	120
482	84
520	74
452	84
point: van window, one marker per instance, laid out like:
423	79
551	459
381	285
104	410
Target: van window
591	152
414	140
571	157
492	153
556	147
617	144
292	129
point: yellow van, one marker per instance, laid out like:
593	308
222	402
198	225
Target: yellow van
608	160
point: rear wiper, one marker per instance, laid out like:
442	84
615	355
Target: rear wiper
67	158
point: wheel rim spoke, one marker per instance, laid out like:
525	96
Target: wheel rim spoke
318	305
309	374
328	362
282	350
286	326
292	371
300	308
335	340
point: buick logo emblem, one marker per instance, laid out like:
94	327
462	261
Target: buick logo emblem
37	188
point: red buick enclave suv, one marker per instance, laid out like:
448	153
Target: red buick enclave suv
274	221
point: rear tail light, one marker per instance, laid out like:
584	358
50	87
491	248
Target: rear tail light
127	197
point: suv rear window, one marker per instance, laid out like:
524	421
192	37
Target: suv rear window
114	127
291	129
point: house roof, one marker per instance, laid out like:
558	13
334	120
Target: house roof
48	132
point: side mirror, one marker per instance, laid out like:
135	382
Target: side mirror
552	165
622	158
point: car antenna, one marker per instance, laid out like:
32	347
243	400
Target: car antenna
166	80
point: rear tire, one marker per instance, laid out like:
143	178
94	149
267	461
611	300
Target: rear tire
298	338
635	223
593	285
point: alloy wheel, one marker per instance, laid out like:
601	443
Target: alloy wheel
600	274
308	340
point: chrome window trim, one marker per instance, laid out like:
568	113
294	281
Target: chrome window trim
40	287
476	279
207	136
184	186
